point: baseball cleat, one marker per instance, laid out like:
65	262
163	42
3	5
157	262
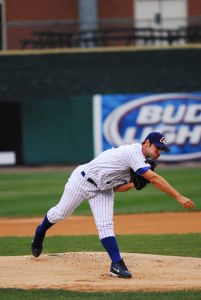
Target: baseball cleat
37	244
119	269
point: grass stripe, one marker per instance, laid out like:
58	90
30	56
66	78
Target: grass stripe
18	294
169	244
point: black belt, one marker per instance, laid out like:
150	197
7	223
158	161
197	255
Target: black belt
89	179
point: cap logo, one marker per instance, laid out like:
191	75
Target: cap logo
163	140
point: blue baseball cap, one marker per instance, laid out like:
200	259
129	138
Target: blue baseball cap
158	140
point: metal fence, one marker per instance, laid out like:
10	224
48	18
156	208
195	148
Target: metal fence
111	36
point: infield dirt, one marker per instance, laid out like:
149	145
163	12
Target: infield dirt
157	223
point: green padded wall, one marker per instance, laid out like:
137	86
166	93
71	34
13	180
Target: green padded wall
69	74
57	132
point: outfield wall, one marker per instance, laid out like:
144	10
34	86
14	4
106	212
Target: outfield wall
58	132
54	90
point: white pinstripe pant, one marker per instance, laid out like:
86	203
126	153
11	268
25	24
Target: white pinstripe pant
76	191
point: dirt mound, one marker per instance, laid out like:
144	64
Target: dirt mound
85	271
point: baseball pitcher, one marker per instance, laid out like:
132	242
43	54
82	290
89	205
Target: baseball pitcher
117	169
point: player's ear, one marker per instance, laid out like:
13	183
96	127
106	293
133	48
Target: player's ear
147	143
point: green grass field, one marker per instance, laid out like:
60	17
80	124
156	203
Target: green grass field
168	244
10	294
26	194
32	194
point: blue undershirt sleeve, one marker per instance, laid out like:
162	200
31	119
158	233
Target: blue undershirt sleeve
143	170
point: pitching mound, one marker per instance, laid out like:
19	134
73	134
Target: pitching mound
85	271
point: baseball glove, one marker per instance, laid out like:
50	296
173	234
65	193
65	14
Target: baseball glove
139	181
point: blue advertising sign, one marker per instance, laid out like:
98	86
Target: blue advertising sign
125	119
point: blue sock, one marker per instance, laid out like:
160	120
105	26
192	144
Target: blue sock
110	245
44	226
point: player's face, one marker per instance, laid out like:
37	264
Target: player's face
154	152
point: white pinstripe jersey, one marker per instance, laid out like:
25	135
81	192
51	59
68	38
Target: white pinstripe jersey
111	167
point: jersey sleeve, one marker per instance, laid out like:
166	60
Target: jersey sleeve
136	160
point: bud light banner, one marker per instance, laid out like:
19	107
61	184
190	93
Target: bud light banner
126	119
